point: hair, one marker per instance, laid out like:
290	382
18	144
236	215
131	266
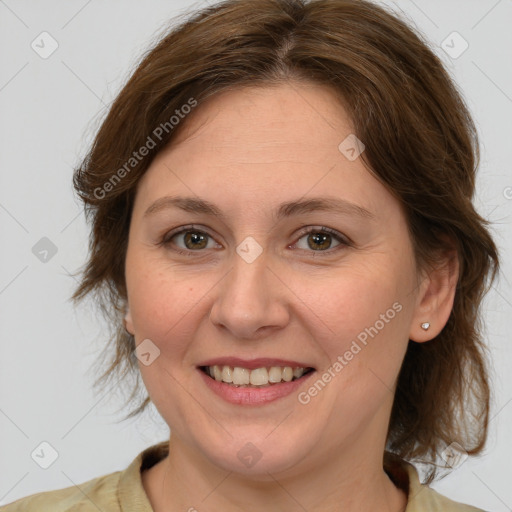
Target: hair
421	143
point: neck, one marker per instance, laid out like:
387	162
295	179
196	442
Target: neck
183	482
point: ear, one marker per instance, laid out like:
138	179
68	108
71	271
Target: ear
435	300
128	322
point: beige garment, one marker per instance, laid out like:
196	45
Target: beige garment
122	491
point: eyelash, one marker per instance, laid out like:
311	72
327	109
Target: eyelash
344	241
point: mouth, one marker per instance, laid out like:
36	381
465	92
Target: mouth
239	376
255	382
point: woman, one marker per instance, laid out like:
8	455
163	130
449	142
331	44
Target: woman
282	229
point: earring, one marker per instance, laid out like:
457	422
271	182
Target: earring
425	326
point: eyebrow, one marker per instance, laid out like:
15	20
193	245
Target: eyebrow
287	209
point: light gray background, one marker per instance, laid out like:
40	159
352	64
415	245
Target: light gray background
49	110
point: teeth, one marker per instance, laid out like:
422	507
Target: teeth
275	374
227	374
287	374
217	374
298	372
258	377
240	376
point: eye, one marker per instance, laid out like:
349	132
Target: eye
191	239
320	239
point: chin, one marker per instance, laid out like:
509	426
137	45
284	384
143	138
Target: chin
259	456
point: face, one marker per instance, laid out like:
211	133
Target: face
283	252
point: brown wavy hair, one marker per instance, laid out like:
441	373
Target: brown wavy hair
421	143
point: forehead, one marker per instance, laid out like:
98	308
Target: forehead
247	120
253	146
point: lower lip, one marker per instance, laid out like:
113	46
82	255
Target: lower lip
253	395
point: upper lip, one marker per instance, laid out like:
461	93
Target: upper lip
251	364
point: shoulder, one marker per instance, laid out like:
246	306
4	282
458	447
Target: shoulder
98	493
420	497
116	492
423	498
433	501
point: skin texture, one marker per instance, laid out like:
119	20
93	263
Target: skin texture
248	150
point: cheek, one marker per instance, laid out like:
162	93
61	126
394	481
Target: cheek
363	317
350	300
165	303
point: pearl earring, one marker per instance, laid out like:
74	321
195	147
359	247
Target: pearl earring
425	326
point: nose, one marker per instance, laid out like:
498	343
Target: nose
251	300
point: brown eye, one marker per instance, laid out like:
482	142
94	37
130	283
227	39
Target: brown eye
189	240
320	240
195	240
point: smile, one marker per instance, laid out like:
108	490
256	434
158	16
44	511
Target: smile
257	377
254	382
